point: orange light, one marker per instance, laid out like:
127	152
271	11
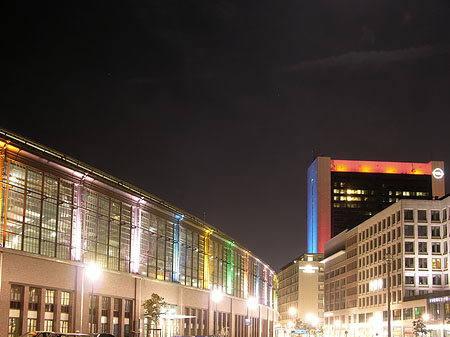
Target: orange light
380	167
9	146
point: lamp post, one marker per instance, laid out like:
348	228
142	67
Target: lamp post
292	311
388	260
93	272
217	297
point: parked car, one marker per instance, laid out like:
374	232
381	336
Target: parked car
40	334
103	334
72	334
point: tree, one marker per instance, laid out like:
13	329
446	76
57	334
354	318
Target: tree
299	324
152	308
420	329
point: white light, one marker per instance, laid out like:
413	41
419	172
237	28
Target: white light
376	285
292	311
252	303
93	272
438	173
313	319
337	323
426	317
217	295
308	269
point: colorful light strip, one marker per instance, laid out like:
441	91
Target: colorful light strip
380	167
176	249
206	284
77	224
136	240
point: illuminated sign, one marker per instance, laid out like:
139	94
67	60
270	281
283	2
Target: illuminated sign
438	173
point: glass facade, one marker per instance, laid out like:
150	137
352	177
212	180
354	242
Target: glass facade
48	212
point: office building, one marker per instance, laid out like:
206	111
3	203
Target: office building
59	217
343	193
300	293
400	254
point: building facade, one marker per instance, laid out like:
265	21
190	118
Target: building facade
301	293
59	215
399	256
343	193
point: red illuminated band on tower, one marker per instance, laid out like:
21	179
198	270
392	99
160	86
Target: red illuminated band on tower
380	167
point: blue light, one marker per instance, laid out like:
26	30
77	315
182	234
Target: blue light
179	217
312	207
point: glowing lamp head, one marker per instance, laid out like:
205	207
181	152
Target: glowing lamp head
93	272
292	311
252	303
426	317
217	295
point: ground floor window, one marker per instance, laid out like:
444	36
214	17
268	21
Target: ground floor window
13	327
48	325
31	324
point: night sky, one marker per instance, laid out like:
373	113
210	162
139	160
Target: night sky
218	106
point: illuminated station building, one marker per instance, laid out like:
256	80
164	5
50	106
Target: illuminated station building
402	251
300	295
343	193
59	217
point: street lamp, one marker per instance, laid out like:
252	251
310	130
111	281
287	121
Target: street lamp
292	311
217	297
426	317
93	273
388	260
337	324
252	303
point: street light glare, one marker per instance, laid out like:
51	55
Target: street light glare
426	317
292	311
217	295
252	302
93	271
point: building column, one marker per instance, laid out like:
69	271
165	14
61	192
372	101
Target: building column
99	313
121	317
24	316
41	311
110	316
57	311
79	305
